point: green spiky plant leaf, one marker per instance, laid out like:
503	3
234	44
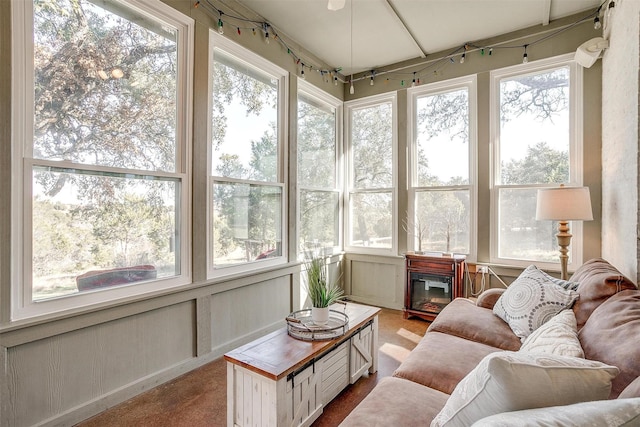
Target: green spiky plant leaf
321	292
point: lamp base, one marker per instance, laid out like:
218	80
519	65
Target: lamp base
564	239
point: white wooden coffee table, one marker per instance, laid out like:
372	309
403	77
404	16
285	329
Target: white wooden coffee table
278	380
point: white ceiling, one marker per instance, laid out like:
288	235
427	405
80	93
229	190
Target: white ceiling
390	31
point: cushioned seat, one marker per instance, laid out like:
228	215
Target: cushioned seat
440	361
462	318
395	399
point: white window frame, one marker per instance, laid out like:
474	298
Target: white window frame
22	53
310	91
469	83
349	190
217	41
576	100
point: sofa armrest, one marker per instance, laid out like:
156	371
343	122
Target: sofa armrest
488	298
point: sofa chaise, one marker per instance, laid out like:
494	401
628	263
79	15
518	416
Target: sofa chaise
468	368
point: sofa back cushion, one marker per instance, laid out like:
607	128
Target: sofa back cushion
598	281
611	335
632	390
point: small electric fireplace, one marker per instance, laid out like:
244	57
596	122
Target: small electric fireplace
432	283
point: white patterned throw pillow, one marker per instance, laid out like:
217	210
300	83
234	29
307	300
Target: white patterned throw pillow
558	336
512	381
531	300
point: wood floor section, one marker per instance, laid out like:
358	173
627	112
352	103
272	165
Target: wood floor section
199	398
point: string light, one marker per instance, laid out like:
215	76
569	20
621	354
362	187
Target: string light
266	33
209	8
302	76
596	23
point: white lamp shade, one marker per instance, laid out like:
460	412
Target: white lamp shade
564	204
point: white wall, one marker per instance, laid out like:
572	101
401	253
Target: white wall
620	208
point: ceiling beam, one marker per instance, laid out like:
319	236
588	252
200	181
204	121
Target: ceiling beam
395	13
546	11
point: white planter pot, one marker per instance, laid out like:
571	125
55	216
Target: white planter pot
320	315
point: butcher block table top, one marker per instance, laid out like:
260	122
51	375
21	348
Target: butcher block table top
277	354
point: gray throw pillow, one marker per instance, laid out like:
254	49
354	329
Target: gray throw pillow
531	300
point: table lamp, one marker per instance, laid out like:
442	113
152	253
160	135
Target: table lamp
564	204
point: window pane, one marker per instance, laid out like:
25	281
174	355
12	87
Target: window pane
102	230
319	220
372	221
316	144
105	86
443	139
244	121
372	146
534	128
520	235
442	221
247	223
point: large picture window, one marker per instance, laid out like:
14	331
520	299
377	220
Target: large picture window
442	190
538	145
318	170
247	186
371	146
100	130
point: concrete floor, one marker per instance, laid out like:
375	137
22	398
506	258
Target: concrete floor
199	398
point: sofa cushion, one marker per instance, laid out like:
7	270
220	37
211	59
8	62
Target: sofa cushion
531	300
612	334
394	401
512	381
462	318
558	336
610	413
632	390
440	361
598	281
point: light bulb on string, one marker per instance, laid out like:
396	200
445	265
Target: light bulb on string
335	80
596	23
462	58
490	51
266	33
220	26
239	32
525	57
351	88
413	82
371	83
302	76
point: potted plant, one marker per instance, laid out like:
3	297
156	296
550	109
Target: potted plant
322	293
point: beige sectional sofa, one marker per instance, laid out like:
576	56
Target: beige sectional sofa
465	333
